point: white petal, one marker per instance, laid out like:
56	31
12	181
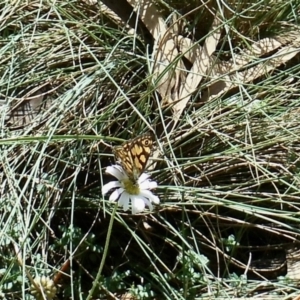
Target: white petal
107	187
115	194
143	177
137	204
116	171
148	185
152	185
154	199
150	196
124	201
147	203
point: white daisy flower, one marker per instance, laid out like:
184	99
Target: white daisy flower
126	191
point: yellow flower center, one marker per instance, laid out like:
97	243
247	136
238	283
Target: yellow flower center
131	187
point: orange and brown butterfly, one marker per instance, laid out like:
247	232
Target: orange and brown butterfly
133	155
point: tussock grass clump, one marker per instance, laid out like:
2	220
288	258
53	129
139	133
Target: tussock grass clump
217	85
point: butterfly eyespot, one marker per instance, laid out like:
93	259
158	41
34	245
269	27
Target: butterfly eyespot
133	155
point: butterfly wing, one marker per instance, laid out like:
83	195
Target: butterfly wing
133	155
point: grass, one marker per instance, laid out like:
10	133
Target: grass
77	80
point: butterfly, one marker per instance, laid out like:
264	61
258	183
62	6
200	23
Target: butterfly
133	155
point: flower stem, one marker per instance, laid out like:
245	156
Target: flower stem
96	282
